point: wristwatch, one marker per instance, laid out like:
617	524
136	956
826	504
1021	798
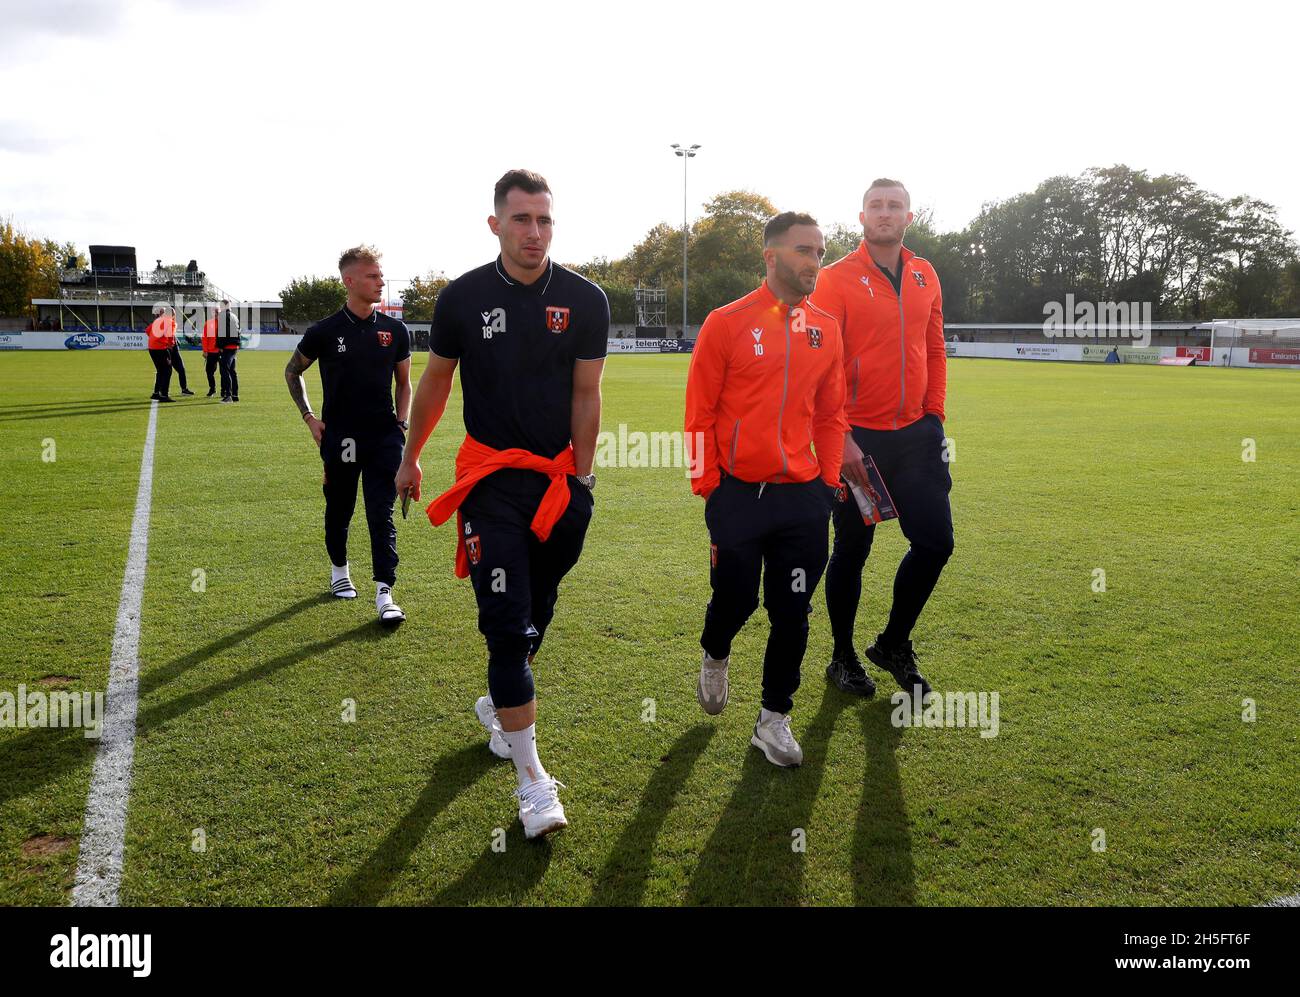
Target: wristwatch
589	480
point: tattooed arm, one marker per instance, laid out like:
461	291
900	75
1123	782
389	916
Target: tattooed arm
293	372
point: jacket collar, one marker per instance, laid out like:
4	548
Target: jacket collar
768	298
904	257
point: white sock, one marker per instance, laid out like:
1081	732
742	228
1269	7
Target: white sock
765	715
383	594
338	573
523	750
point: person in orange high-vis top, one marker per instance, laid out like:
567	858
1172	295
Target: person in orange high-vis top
765	430
529	337
211	356
161	338
890	306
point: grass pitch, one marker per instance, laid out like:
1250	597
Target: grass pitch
1121	712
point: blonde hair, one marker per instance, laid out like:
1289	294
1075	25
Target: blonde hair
359	254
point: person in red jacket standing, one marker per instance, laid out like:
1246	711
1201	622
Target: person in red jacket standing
765	426
211	356
890	306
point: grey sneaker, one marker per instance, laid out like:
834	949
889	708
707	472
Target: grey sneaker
712	688
773	738
487	716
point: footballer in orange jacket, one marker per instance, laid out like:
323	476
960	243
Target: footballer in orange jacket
890	306
765	427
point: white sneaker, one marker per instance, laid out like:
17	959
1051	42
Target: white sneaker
712	689
487	716
539	807
772	737
389	611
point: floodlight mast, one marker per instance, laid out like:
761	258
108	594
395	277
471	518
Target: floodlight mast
685	152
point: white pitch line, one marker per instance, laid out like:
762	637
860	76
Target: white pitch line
1292	901
99	869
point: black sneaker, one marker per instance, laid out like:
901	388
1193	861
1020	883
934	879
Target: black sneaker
234	398
211	392
154	397
846	673
900	662
186	391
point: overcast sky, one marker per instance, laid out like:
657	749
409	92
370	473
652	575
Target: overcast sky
262	138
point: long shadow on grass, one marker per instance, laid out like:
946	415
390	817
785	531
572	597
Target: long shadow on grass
749	858
69	404
158	716
58	414
882	840
452	775
42	755
500	877
622	880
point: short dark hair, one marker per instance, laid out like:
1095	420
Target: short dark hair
886	182
783	223
525	180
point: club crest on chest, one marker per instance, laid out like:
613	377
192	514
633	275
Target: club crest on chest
557	318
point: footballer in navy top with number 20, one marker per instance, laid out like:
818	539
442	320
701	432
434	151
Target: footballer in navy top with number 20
529	337
361	352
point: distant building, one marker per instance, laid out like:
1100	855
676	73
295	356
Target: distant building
114	295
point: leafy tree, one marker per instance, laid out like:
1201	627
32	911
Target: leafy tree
420	295
840	240
309	299
29	268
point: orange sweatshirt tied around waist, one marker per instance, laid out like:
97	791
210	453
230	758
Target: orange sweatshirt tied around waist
475	461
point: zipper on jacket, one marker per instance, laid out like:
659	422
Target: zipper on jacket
785	387
902	349
735	438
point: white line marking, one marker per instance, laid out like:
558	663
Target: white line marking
1292	901
99	869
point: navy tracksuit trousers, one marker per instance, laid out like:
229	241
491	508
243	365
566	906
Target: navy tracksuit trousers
911	460
778	531
371	458
516	577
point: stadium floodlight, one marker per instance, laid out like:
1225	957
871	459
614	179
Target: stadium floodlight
685	152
